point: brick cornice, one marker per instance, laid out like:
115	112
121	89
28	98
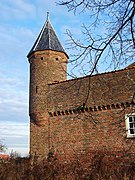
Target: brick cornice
82	109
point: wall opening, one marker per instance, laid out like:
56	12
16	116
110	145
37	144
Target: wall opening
36	89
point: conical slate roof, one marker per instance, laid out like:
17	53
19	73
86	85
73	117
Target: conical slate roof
47	40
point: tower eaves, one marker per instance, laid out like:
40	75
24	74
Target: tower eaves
47	40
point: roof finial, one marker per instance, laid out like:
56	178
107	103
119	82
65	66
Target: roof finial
47	16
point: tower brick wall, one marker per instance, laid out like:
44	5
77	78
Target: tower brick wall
45	67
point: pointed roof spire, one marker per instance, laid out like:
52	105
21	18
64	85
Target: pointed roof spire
47	16
47	39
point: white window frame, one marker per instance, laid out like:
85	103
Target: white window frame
129	135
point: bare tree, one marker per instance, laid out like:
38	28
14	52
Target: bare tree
114	42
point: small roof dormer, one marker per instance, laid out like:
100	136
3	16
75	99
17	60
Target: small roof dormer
47	40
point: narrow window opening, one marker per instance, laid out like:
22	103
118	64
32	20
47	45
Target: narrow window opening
42	58
57	59
36	89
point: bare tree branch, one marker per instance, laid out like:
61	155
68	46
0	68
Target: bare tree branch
118	40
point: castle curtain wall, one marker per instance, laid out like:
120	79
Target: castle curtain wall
74	135
98	90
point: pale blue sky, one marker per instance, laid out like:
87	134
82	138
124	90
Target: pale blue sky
20	24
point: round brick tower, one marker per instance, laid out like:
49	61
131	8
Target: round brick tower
48	64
